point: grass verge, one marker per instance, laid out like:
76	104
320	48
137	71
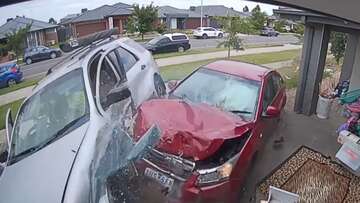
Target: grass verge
14	109
179	71
23	84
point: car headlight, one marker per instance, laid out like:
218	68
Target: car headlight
217	174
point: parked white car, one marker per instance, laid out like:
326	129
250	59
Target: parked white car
72	132
207	32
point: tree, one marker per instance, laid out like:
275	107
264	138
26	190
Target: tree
279	25
52	21
233	26
258	18
246	9
143	18
16	40
160	28
338	43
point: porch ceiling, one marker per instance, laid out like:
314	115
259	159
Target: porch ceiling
345	9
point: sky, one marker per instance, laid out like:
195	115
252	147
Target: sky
45	9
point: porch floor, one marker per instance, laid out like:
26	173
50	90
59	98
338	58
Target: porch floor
297	130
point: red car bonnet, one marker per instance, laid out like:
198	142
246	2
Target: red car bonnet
188	130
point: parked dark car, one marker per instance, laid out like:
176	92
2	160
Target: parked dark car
268	31
169	43
40	53
10	74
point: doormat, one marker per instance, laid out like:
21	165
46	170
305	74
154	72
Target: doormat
314	177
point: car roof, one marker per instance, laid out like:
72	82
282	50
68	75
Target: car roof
174	34
241	69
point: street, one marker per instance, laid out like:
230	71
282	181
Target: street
39	69
248	40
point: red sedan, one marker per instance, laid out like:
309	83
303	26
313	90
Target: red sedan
212	125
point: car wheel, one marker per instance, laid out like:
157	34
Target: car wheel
220	35
53	55
159	84
204	36
28	61
11	82
269	34
181	49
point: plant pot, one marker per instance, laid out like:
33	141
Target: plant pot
323	107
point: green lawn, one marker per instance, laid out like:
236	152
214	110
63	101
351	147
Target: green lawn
290	75
188	52
177	72
14	109
25	83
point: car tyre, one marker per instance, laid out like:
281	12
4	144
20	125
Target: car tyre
11	82
204	36
28	61
159	85
221	35
53	55
181	49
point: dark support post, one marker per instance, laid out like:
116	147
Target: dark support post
349	58
311	67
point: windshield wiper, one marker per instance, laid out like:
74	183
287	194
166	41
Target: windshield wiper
241	112
57	135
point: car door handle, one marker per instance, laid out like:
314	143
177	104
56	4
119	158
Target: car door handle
143	67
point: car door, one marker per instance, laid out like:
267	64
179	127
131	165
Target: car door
269	93
35	53
212	32
164	45
136	71
107	78
3	74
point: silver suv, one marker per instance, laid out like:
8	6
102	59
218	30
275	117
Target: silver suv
73	131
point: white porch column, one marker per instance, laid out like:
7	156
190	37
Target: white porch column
111	23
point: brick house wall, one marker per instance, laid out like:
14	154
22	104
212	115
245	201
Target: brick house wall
86	28
193	23
51	36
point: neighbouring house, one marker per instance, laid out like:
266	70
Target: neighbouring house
176	18
99	19
41	33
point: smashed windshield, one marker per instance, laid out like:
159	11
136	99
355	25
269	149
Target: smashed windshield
49	113
221	90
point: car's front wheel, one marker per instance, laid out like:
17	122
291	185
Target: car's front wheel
159	84
53	55
28	61
11	82
221	35
181	49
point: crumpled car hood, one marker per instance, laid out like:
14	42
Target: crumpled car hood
189	130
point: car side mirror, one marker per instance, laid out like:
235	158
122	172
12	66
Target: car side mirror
272	111
118	94
172	84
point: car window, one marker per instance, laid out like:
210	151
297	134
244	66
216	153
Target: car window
269	93
179	37
60	105
164	41
208	29
107	81
115	60
127	59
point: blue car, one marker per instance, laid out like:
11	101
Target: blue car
10	74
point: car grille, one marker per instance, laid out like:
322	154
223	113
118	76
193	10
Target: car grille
176	166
